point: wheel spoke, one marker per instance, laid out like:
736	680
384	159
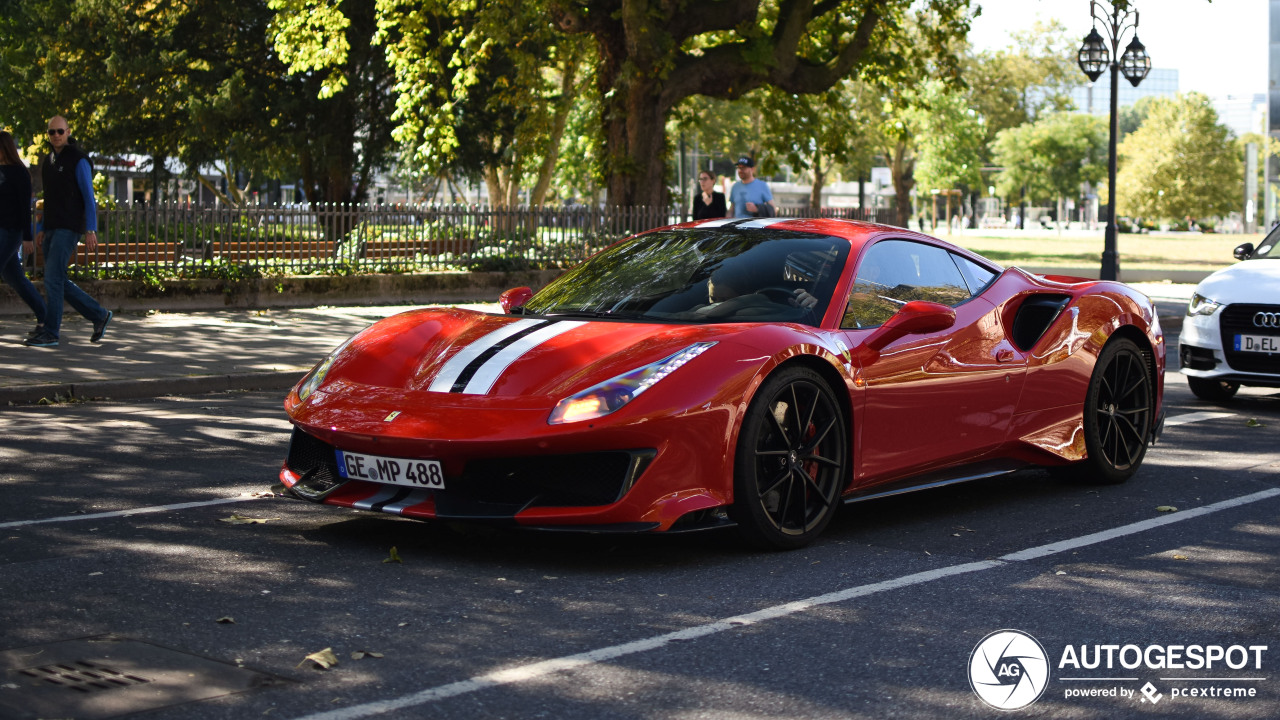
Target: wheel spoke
781	519
817	491
786	439
781	478
820	459
819	436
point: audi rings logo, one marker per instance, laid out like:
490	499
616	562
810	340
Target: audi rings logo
1009	670
1266	319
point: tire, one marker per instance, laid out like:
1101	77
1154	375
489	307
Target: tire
1117	416
791	462
1212	390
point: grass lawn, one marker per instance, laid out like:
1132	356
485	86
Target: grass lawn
1155	251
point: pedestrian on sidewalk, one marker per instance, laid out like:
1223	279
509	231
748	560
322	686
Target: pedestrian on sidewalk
15	225
70	210
750	196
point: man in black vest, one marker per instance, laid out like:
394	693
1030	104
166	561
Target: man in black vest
70	210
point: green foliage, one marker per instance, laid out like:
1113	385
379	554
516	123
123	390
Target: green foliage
949	137
1051	157
1181	163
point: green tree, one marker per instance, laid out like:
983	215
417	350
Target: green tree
949	137
1033	76
822	133
1051	157
1180	163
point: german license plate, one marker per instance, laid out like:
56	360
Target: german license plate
392	471
1257	343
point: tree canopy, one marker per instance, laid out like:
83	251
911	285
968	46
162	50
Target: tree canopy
1180	163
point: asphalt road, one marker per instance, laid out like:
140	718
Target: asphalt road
878	619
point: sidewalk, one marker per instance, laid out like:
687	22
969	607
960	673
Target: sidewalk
148	355
168	353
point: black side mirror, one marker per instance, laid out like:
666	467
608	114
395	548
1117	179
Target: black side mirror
1243	251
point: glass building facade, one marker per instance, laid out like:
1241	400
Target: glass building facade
1095	98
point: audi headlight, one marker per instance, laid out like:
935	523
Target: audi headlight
316	378
1201	305
600	400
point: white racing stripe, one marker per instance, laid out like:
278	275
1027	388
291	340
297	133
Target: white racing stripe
488	373
530	671
455	365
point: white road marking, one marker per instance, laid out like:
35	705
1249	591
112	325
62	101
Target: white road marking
530	671
127	513
1195	417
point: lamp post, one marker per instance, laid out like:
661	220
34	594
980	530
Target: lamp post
1094	57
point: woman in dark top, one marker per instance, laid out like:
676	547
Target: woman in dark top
15	224
708	203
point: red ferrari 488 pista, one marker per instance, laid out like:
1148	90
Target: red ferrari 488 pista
751	372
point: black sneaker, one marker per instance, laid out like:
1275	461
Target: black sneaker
44	339
38	331
100	327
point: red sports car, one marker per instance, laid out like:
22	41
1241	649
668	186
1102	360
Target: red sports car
751	372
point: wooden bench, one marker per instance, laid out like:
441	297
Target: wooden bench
125	252
241	250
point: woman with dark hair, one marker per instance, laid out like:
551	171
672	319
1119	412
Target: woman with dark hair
709	202
15	225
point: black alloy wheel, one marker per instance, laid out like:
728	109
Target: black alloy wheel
1117	415
791	462
1211	389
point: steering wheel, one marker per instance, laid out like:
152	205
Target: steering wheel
780	295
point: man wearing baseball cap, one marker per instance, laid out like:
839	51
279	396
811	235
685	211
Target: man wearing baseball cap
750	197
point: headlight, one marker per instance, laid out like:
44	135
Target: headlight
316	378
1201	305
600	400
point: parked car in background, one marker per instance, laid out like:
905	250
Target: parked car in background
753	372
1231	335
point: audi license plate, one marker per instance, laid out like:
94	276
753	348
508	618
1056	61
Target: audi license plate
1257	343
389	470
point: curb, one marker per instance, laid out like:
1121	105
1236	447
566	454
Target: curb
134	389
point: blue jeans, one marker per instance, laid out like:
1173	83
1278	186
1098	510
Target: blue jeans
59	246
12	272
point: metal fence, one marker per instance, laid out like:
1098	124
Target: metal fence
305	239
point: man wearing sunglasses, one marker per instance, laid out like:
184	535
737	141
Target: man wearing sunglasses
70	210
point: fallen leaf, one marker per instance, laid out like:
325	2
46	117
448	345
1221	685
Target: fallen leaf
1061	572
362	654
324	658
395	557
226	620
1253	422
1166	508
1179	557
242	520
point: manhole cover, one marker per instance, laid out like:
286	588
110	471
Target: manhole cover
108	677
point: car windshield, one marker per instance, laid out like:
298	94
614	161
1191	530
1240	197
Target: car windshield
1267	248
703	275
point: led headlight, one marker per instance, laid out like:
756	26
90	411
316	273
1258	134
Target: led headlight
1201	305
316	378
600	400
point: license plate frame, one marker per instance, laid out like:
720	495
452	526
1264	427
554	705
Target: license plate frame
1257	343
404	472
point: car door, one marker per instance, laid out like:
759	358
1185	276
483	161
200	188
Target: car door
930	399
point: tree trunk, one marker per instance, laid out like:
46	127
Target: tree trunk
819	180
902	165
559	119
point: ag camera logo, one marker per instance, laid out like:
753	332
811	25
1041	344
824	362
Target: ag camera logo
1008	670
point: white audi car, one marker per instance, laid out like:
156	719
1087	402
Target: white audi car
1231	335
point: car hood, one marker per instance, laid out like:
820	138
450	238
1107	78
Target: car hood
467	353
1251	281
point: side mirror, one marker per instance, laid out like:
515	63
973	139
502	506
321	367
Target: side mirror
916	317
1243	251
514	298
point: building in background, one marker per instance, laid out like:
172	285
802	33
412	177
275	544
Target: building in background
1095	98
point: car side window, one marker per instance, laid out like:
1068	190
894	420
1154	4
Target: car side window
975	275
895	272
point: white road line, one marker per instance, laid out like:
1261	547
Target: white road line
126	513
1195	417
521	673
1142	526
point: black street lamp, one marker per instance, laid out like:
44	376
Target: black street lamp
1094	56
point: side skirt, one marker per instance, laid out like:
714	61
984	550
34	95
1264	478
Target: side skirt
964	473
